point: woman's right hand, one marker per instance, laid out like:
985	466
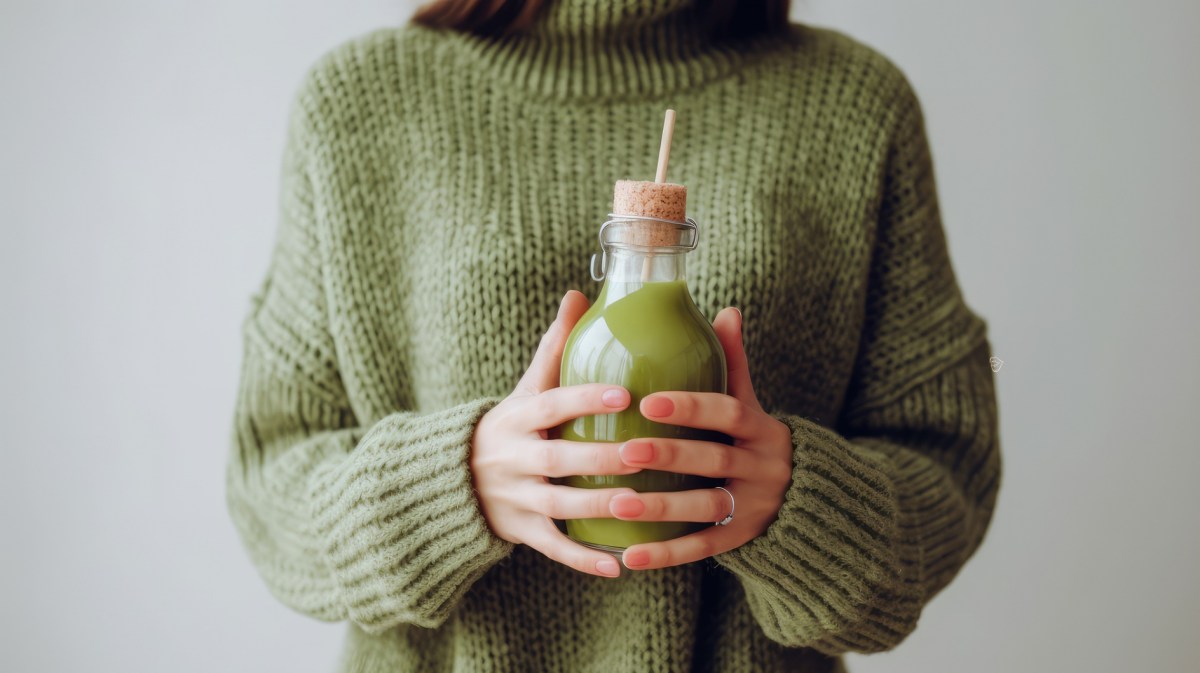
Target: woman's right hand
512	457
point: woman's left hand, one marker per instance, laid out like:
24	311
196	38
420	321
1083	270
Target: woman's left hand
758	464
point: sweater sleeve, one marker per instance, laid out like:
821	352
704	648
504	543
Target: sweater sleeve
884	510
377	524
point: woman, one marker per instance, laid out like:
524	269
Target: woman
443	185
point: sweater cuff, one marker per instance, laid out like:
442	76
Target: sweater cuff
400	523
827	565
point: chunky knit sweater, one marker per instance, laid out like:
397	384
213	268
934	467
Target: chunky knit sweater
441	191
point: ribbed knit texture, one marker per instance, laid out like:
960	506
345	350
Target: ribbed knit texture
440	193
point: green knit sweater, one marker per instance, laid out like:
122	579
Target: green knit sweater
440	193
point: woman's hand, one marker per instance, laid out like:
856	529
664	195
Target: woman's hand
511	455
758	465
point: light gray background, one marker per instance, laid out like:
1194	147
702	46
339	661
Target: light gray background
139	153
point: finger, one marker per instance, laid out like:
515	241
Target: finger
544	370
706	411
553	407
687	549
546	538
688	456
703	504
566	502
728	326
563	458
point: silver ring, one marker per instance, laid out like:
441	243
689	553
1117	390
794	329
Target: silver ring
732	507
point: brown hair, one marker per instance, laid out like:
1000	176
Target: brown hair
724	18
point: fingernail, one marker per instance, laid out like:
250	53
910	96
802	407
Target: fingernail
658	406
562	307
615	398
739	312
608	567
637	452
636	559
627	505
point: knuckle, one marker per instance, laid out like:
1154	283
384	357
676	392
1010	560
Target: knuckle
598	503
560	400
505	530
583	564
547	460
704	546
599	461
738	413
783	433
587	397
664	452
500	497
543	404
554	551
500	416
656	506
576	559
718	505
546	502
685	405
783	470
485	421
485	462
722	457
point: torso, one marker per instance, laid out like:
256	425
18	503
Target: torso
476	206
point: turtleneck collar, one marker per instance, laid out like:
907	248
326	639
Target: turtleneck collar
611	20
610	49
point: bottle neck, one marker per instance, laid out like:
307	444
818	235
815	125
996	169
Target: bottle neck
628	269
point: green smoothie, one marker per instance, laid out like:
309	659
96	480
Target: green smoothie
647	337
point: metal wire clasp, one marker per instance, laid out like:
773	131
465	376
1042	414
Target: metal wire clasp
688	223
599	275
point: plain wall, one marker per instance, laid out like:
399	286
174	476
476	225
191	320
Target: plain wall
139	154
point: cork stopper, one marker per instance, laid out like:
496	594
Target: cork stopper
660	199
663	200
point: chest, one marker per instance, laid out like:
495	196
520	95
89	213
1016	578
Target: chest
470	236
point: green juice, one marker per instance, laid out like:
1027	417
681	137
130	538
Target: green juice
647	337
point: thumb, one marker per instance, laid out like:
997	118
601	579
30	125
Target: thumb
728	326
543	372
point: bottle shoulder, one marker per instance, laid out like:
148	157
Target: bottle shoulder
653	338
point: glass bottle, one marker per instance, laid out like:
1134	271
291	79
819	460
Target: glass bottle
643	332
